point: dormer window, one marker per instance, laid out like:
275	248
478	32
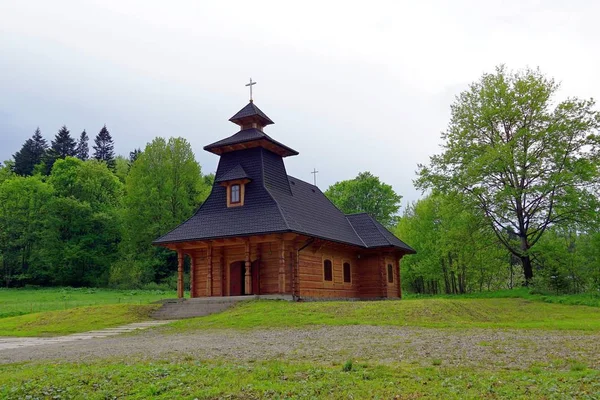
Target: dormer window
235	194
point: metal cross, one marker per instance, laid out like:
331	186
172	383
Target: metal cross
251	84
315	172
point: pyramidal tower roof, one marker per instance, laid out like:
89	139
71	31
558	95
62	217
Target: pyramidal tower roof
251	121
251	112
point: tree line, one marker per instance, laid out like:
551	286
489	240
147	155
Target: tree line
70	219
511	200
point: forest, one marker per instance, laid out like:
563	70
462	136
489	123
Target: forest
511	200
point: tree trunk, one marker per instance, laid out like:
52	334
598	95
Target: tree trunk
527	269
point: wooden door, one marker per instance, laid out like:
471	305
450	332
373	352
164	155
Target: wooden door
236	278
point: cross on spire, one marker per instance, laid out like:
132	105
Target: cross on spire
250	85
315	172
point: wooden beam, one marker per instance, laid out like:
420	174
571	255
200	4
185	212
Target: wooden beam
281	266
397	258
192	274
248	277
209	276
180	274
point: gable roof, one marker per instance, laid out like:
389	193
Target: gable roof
233	174
247	136
251	110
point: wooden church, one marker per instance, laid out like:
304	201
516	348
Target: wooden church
263	232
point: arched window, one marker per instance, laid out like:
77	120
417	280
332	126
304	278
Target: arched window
390	273
327	270
235	193
347	273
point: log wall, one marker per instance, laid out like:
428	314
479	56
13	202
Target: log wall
303	277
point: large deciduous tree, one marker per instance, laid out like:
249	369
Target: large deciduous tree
104	148
164	188
526	161
366	193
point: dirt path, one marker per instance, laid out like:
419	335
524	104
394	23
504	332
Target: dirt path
486	348
7	343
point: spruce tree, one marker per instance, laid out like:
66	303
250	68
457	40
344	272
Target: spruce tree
62	146
104	148
31	154
133	155
82	150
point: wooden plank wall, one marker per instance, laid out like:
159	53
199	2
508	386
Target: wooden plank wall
269	268
370	277
311	280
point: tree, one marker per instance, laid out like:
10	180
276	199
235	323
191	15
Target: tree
23	203
456	250
133	155
366	193
527	164
82	150
164	188
62	146
82	231
104	148
30	155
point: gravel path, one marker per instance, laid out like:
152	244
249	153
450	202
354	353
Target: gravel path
473	347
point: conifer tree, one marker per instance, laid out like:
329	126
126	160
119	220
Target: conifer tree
104	148
62	146
31	154
133	155
82	150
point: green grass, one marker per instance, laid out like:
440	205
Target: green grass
581	299
64	322
275	380
26	301
433	313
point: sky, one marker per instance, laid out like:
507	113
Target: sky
353	86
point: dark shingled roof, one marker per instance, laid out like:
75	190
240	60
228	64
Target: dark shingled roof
274	203
374	234
251	110
233	174
247	135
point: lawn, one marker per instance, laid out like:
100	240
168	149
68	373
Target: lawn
274	380
26	301
74	320
61	311
502	313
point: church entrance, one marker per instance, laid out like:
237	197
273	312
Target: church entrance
237	278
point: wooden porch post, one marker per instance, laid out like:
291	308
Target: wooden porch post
248	277
383	274
209	276
399	277
192	280
281	266
180	274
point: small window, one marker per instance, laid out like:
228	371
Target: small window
347	273
327	270
390	273
235	193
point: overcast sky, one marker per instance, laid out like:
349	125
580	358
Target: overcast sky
353	87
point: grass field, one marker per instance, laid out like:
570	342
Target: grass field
276	380
183	375
61	311
75	320
431	313
15	302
